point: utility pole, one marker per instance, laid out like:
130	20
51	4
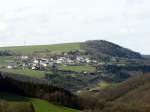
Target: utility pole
23	64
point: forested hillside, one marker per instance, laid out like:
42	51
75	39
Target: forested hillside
101	48
39	88
129	96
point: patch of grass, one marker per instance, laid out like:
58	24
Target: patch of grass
84	68
51	49
19	107
16	103
44	106
104	85
5	59
27	72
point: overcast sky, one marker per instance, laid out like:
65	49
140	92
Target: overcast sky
125	22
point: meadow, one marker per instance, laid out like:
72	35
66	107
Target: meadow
82	68
51	49
5	59
26	72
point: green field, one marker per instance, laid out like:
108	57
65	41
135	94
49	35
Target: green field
5	59
16	103
103	85
19	102
26	72
44	106
51	49
84	68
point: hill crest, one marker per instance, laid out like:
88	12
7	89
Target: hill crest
98	48
104	48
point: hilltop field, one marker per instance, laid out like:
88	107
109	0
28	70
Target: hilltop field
48	49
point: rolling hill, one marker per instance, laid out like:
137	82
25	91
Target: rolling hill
102	48
48	49
98	48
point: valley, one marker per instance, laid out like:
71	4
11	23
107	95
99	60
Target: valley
56	78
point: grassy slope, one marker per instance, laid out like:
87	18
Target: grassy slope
103	85
44	106
39	105
56	48
27	72
5	59
16	103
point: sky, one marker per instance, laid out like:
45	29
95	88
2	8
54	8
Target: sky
30	22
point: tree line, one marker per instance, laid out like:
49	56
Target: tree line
6	53
39	88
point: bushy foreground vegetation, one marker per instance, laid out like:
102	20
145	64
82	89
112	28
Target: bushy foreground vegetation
13	103
15	106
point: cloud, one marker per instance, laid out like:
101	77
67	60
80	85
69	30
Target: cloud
53	21
135	2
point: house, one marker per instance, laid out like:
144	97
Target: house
57	61
69	61
35	61
101	63
24	57
80	59
94	61
87	60
113	59
12	65
61	60
44	62
40	63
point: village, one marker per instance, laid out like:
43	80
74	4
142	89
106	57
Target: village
73	60
42	63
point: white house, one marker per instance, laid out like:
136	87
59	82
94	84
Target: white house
40	62
24	57
12	65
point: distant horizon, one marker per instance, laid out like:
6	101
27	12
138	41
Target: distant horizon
68	43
